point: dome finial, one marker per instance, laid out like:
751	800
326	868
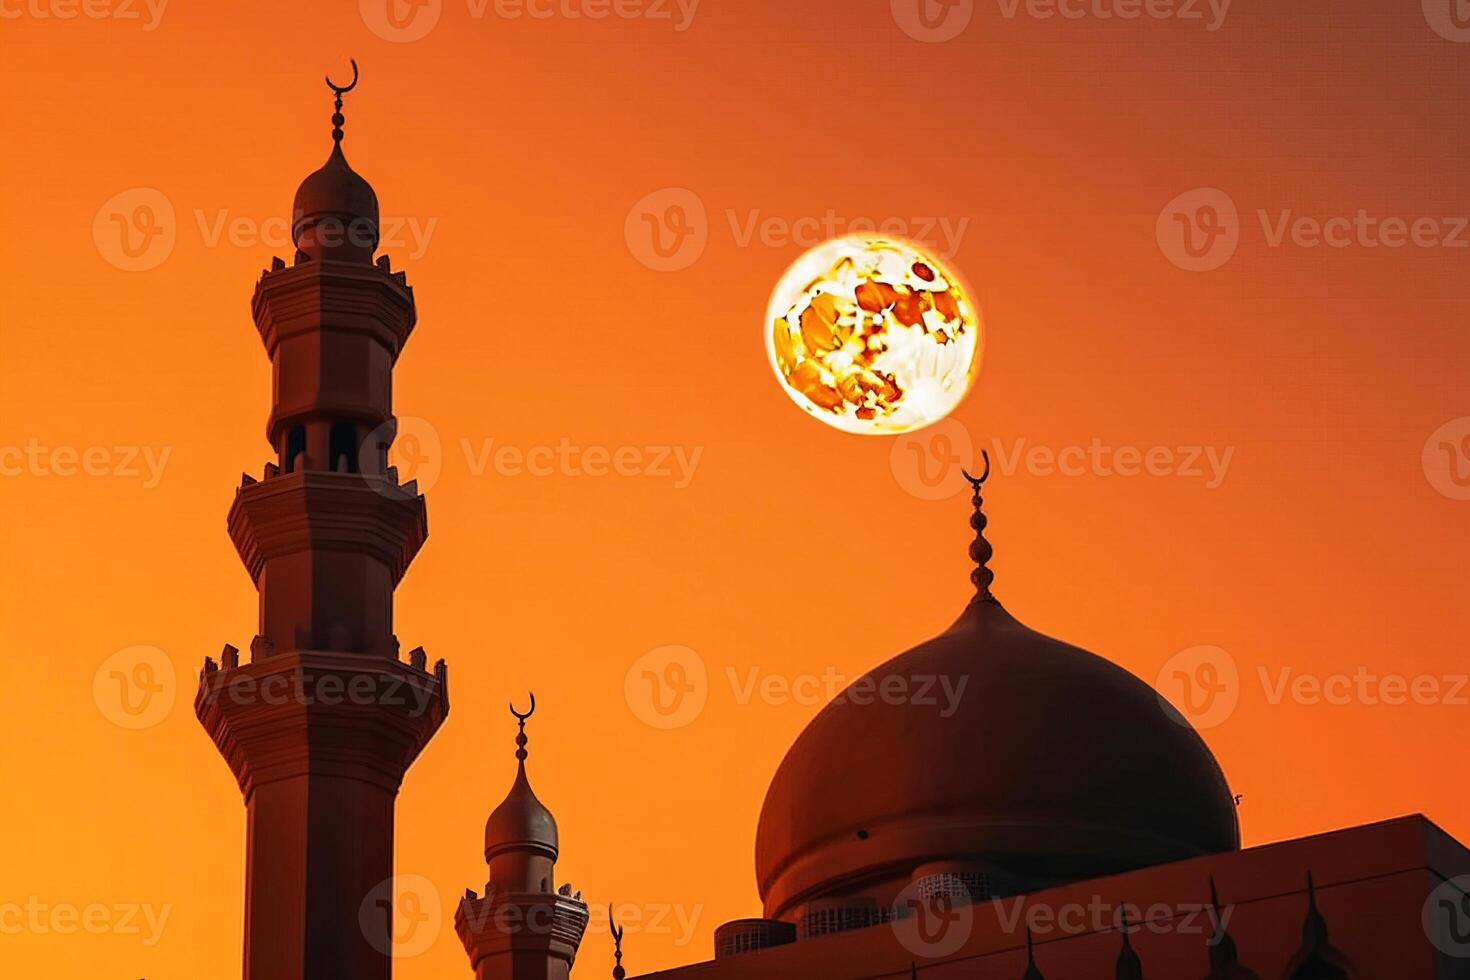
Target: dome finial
617	933
1129	966
980	550
1032	972
521	722
339	90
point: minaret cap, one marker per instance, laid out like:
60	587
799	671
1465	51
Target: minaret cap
335	214
521	823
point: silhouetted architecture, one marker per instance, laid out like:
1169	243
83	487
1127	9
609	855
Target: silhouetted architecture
896	840
523	927
320	726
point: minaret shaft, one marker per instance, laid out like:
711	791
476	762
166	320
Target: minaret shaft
321	724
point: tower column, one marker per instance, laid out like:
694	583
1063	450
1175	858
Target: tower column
322	723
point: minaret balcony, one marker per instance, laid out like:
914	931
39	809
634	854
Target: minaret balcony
346	296
321	714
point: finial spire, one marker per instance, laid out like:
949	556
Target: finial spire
617	933
980	550
339	90
1224	958
1032	971
1129	966
521	717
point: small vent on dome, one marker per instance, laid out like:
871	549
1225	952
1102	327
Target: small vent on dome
841	915
749	935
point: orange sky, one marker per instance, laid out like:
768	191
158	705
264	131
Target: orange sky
517	146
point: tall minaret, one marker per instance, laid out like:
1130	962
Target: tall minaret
320	726
524	928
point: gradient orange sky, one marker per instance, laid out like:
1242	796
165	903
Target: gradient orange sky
1327	548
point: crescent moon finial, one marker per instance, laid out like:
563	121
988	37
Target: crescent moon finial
337	118
980	550
617	933
522	716
340	89
977	481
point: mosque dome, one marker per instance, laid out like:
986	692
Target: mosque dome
335	213
1013	757
521	823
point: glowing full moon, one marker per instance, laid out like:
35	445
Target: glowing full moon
873	336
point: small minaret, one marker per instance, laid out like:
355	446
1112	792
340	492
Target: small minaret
523	928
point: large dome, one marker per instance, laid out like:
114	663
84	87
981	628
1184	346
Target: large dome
1053	765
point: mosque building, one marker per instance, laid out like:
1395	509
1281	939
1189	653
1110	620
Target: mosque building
1062	823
